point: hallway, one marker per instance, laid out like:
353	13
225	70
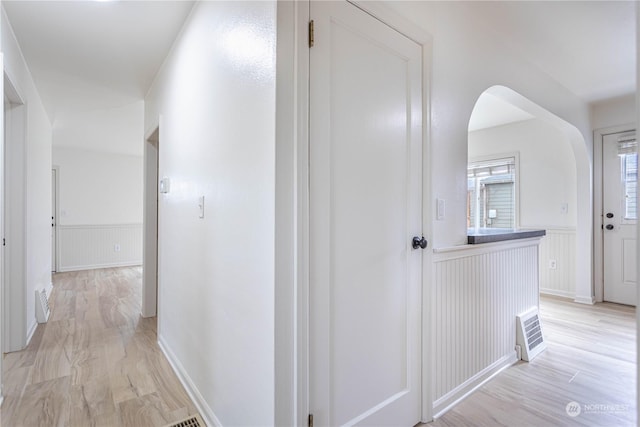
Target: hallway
96	362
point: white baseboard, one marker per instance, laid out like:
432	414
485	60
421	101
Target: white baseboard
97	266
449	400
205	411
557	293
48	289
32	330
585	300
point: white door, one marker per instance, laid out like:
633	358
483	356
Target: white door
620	172
365	207
53	219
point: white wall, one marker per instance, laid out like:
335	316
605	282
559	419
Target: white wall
99	209
198	100
99	155
38	175
214	100
468	59
113	130
98	187
547	169
547	180
613	112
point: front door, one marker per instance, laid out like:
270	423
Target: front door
365	207
620	172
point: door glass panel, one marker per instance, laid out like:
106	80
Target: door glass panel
630	181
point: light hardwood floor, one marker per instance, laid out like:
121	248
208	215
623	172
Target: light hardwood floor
590	359
95	363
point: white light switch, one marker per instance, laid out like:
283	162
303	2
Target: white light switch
165	183
201	206
440	209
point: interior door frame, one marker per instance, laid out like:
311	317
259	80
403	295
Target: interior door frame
151	210
292	198
598	205
56	217
15	334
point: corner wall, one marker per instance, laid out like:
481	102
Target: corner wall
37	170
214	101
613	112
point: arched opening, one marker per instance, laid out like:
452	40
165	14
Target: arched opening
528	168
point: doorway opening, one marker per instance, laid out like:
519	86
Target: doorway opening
546	185
150	228
14	295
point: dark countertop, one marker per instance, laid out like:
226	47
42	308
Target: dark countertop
489	235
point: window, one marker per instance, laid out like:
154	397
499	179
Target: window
491	193
629	169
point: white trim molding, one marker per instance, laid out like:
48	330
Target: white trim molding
205	411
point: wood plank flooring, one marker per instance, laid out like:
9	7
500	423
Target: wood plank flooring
590	359
96	362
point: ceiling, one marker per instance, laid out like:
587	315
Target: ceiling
587	46
491	111
91	55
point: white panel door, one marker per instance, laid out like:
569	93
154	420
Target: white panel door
619	219
365	207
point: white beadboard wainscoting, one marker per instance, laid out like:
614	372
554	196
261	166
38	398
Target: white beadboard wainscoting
559	245
84	247
478	291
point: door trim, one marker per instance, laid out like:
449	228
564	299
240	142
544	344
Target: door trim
598	236
292	331
151	208
56	215
16	332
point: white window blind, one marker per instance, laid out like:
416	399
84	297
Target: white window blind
491	193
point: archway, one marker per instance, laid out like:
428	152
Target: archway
553	183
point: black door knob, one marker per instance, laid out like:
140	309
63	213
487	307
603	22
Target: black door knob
609	215
419	242
609	227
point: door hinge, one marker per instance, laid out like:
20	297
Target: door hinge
4	242
310	423
311	33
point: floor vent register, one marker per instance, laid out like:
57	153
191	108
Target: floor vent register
193	421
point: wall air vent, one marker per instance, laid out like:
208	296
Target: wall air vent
42	306
529	334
